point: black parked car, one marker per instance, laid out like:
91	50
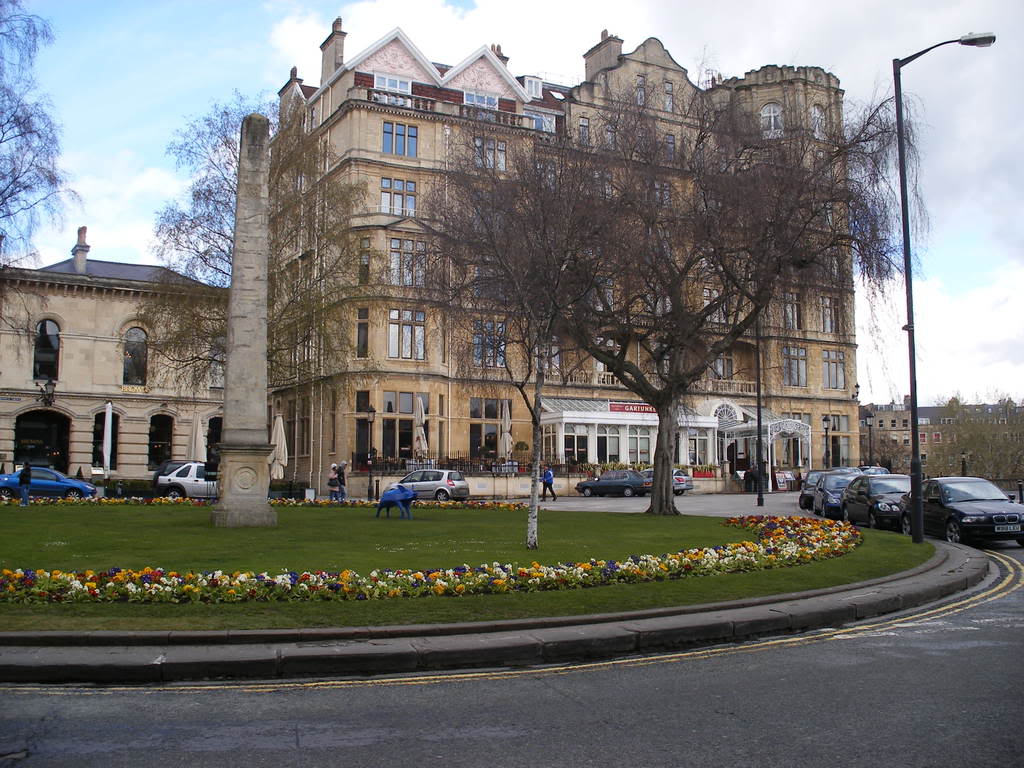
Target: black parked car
810	481
624	482
967	509
875	499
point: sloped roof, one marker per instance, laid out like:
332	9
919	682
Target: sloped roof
115	270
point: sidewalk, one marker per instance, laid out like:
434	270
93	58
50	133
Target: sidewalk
117	657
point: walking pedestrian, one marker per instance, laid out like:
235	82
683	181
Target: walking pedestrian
332	483
549	484
24	479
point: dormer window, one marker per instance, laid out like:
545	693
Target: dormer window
533	87
480	99
392	83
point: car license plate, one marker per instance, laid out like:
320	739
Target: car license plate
1007	528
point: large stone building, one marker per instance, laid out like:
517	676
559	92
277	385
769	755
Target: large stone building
70	343
390	118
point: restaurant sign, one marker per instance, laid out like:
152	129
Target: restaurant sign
631	408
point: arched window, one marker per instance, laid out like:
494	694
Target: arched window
771	120
135	353
47	350
818	121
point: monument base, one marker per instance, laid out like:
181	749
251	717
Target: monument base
243	484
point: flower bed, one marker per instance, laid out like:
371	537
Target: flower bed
782	541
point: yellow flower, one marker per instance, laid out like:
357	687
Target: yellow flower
460	588
90	585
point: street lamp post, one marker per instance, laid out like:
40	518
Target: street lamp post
371	413
963	464
981	40
826	422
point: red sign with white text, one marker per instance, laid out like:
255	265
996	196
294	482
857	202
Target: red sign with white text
631	408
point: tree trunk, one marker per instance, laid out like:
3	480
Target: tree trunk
662	493
531	519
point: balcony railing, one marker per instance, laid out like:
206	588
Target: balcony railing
401	100
396	210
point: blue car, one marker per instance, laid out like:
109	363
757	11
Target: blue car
46	482
828	493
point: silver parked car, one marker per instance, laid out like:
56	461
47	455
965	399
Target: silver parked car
189	480
681	482
439	484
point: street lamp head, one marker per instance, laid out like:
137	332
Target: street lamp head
856	391
978	39
826	420
371	413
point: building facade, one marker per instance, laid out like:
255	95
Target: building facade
391	118
70	344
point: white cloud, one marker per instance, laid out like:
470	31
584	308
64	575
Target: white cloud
120	195
967	342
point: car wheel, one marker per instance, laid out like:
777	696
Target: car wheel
6	494
627	491
905	525
678	493
952	531
1020	542
872	522
175	493
845	514
588	492
73	493
441	495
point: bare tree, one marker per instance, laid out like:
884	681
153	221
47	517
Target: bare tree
667	261
311	252
33	188
506	232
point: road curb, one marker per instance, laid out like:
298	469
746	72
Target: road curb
114	657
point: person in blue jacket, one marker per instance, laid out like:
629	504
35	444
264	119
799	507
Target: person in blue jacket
400	497
549	484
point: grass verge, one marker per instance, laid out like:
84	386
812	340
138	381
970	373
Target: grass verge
180	538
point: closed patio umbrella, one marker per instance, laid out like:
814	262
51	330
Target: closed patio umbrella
278	458
108	427
197	440
505	438
419	434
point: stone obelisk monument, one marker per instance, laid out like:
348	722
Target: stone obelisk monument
244	473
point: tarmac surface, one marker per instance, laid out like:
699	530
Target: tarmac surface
164	656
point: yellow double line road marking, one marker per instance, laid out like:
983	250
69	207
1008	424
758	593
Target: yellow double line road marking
1012	581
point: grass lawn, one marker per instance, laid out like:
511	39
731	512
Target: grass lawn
323	538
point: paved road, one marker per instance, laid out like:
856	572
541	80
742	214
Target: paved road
715	504
936	687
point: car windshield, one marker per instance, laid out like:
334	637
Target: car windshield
972	490
835	482
890	485
812	478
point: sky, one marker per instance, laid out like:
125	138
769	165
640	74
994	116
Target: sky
122	76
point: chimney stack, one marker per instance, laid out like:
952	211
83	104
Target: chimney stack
80	252
496	50
333	52
603	55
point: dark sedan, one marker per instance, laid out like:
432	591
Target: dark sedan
807	486
967	509
616	482
875	500
829	491
46	482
